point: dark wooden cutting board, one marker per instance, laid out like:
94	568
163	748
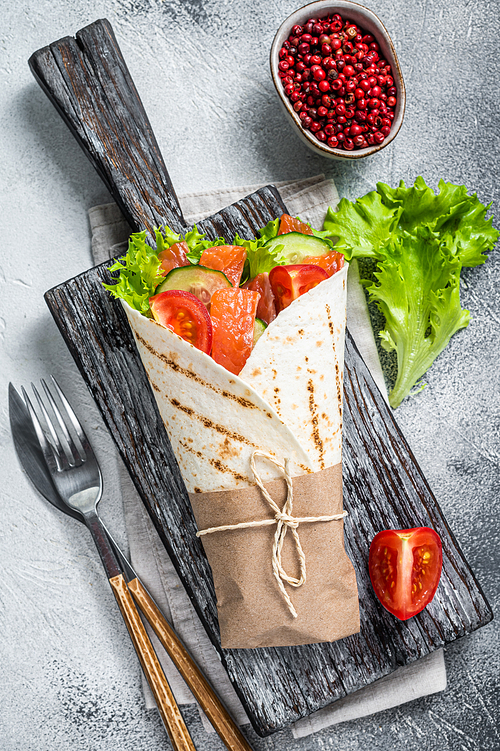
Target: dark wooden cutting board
88	81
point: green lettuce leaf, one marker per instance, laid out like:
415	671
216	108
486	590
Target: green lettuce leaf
165	237
452	212
260	259
323	235
139	274
420	204
197	243
270	231
420	241
418	292
194	239
363	228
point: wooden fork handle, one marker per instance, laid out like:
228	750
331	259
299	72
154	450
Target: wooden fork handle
169	711
218	715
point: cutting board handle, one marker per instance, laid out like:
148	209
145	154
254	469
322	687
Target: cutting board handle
88	81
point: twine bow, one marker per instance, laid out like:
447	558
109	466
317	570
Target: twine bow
284	521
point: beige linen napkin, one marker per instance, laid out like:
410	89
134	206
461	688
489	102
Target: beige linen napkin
308	199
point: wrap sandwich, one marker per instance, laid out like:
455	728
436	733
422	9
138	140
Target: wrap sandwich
260	454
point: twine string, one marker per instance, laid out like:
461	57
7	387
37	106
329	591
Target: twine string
284	521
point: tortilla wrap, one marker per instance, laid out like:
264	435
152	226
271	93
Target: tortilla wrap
287	403
215	421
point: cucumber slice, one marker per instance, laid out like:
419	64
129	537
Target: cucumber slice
199	280
258	329
298	246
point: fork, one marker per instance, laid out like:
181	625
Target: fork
27	431
77	478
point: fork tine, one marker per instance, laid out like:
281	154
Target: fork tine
72	416
49	452
54	441
70	450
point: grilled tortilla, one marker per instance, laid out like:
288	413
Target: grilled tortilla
287	400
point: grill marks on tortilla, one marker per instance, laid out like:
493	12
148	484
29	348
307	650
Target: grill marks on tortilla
216	463
170	362
313	409
330	322
338	378
275	394
208	423
339	388
206	420
227	451
277	400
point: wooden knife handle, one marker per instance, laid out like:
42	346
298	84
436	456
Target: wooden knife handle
203	692
88	81
169	711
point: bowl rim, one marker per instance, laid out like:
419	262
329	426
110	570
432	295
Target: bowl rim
341	6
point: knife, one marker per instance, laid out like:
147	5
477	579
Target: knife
31	458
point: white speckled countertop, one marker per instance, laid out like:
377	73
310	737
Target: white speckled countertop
70	678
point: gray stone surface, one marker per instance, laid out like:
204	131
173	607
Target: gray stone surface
70	679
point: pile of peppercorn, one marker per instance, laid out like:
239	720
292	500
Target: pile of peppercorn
341	88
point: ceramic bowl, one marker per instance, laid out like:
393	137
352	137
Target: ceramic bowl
371	24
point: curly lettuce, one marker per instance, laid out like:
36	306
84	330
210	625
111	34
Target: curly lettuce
140	269
420	242
259	258
139	272
197	243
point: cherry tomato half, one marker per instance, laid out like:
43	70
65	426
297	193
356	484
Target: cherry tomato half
174	257
185	315
290	224
233	316
405	566
290	282
229	259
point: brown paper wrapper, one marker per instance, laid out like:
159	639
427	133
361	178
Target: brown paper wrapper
252	611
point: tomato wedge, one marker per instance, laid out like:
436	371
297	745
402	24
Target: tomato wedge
174	257
185	315
290	282
405	566
290	224
266	309
229	259
331	262
233	318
